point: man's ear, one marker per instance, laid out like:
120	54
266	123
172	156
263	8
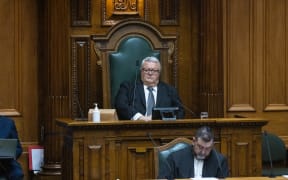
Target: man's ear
193	140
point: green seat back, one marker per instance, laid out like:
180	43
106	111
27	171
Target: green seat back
278	155
163	155
125	63
277	148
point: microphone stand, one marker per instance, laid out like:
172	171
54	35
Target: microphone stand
269	155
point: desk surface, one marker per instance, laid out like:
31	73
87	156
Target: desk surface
256	178
67	122
251	178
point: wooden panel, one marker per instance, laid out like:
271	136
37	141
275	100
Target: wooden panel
18	70
240	63
95	164
139	158
188	54
260	31
11	90
78	149
169	12
81	82
81	13
211	62
241	148
239	145
134	157
275	62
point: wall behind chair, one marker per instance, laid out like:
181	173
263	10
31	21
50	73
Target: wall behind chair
255	61
18	69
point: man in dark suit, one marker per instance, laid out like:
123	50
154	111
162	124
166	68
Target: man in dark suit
198	160
132	98
10	168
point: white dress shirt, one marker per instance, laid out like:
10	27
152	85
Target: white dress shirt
146	92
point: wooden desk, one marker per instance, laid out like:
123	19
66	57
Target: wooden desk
249	178
256	178
122	149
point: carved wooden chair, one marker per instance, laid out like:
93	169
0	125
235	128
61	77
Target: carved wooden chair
121	50
162	152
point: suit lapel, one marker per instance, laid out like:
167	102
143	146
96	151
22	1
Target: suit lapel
160	96
140	90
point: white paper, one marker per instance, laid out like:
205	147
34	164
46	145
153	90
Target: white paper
37	159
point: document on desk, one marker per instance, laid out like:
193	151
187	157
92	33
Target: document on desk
285	176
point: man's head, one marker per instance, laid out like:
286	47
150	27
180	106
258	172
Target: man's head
203	142
150	71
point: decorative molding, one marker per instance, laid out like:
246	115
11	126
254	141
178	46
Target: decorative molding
276	107
241	107
80	13
98	53
169	12
80	69
117	10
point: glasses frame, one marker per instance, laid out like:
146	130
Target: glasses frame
150	71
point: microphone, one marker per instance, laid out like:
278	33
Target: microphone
160	159
189	110
135	81
222	175
151	139
82	117
269	154
185	107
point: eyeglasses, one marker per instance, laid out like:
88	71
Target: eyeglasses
152	71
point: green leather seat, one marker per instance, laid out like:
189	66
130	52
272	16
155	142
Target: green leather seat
125	63
278	155
161	153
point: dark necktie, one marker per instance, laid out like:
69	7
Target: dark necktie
150	101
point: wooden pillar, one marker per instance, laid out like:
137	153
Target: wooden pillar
211	63
53	81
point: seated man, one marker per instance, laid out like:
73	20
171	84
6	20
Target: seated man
10	168
135	99
198	160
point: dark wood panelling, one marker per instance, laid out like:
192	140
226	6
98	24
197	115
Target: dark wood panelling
211	64
55	78
169	12
80	79
18	74
81	13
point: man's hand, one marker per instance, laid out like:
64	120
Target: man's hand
145	118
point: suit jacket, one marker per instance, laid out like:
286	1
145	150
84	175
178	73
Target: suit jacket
180	164
130	99
10	168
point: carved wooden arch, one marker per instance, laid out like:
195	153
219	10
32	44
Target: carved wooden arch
106	44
